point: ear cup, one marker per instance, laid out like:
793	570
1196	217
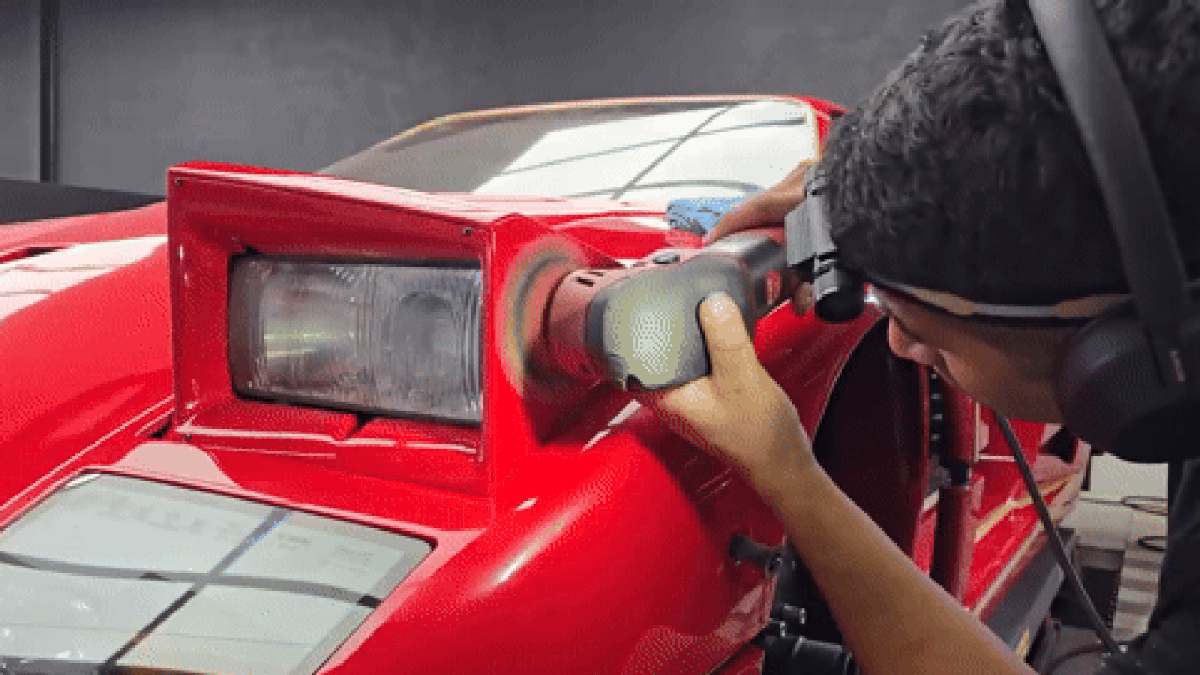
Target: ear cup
1111	396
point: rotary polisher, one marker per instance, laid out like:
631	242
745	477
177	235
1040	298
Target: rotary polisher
639	325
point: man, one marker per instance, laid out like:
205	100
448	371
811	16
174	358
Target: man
961	185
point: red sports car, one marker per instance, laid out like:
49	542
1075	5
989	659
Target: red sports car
290	422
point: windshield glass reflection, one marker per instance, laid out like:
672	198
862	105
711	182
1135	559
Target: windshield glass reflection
635	152
125	575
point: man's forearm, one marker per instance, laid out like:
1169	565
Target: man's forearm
895	619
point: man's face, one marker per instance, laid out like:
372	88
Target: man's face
987	372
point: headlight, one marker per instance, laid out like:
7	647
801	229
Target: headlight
391	339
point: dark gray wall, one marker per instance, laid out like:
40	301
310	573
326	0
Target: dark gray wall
301	83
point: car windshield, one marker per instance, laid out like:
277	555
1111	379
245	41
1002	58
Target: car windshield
643	152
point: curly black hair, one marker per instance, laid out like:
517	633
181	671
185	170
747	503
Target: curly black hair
964	171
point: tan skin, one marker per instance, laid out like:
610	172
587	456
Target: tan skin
895	619
991	374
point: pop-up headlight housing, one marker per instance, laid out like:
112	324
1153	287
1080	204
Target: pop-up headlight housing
391	339
375	329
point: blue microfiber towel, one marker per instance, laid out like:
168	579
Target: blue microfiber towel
699	215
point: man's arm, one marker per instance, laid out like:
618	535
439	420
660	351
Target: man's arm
894	618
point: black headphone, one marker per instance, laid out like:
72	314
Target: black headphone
1130	383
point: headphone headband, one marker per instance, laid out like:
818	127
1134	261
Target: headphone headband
1072	312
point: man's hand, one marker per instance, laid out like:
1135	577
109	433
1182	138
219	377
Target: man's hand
768	208
764	208
737	411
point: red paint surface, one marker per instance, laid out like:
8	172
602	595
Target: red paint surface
562	542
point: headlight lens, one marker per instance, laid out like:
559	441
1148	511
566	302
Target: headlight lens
389	339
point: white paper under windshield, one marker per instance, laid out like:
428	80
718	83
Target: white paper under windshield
113	571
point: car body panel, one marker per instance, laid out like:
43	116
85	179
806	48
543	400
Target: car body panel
570	529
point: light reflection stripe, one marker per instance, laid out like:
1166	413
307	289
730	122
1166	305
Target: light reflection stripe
189	428
232	580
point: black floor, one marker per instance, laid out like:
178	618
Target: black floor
1077	652
1074	648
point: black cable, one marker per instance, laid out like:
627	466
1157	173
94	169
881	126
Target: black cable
1098	500
1146	503
1056	545
1153	505
1153	542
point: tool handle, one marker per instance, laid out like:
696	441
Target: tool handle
643	329
640	325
